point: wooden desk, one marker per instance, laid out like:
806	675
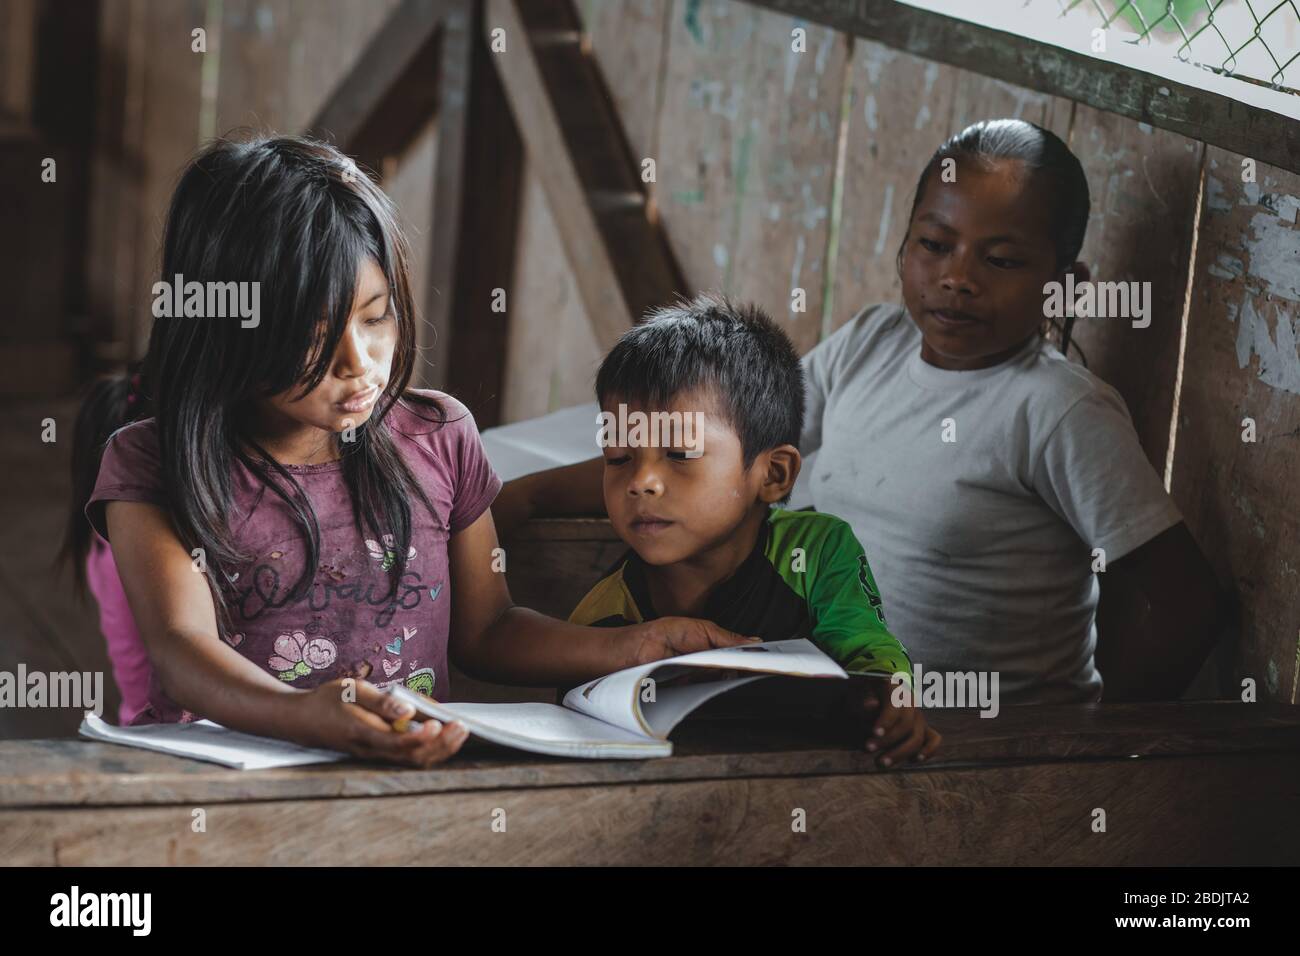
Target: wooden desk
1180	783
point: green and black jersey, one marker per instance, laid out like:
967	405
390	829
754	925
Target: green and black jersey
806	577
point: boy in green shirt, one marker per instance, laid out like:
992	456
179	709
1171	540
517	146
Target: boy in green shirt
702	406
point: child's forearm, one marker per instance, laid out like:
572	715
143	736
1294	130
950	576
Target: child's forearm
1160	615
1152	649
205	677
569	490
526	648
880	655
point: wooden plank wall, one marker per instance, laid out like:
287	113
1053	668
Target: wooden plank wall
44	628
270	66
44	59
748	137
1241	498
17	66
1144	185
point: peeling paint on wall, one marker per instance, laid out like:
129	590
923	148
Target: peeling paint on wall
923	114
1215	199
1275	254
1263	263
791	67
877	58
1226	267
1279	363
717	98
823	54
885	215
1273	242
692	21
869	112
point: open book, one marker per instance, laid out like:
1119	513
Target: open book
629	713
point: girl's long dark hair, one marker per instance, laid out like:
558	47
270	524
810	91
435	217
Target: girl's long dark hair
107	404
299	218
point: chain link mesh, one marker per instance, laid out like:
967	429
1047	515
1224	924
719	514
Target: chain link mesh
1253	40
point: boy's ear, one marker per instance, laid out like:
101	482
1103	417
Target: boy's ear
780	471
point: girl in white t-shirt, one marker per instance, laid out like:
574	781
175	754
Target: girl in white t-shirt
1000	491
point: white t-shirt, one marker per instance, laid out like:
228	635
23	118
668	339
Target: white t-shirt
981	546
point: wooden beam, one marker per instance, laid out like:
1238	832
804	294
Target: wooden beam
476	202
448	185
609	170
381	104
1200	114
81	774
17	65
574	219
620	258
937	816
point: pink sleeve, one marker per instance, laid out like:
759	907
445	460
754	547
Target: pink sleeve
476	483
128	471
126	650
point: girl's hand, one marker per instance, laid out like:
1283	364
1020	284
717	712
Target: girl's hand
673	636
897	733
364	728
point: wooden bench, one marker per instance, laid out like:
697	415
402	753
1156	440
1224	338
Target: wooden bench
1185	783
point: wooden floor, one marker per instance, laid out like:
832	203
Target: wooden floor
42	625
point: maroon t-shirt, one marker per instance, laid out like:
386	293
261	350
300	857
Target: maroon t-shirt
346	625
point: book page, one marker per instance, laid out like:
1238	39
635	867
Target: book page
204	740
673	704
617	698
540	728
612	699
797	658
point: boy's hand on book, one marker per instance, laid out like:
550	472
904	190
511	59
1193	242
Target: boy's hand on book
673	636
895	732
364	728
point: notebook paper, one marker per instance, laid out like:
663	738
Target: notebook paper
204	740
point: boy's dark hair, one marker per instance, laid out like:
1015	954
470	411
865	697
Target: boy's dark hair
1040	150
735	351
